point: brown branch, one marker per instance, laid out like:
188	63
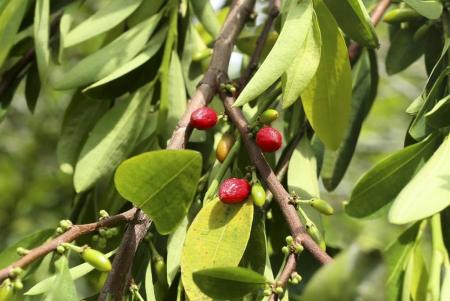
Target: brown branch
354	50
70	235
208	87
288	269
267	174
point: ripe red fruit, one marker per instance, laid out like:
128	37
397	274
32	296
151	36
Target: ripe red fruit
268	139
203	118
234	190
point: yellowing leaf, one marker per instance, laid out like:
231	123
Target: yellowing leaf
217	237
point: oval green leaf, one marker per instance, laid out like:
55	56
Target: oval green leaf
63	285
206	15
377	188
162	184
111	140
217	237
103	20
327	98
354	20
286	48
225	283
427	8
428	192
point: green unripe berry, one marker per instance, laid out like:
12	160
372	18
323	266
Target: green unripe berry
322	206
400	15
258	195
97	259
268	116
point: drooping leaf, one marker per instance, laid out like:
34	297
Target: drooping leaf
302	70
377	188
174	249
286	48
228	282
63	285
428	192
162	184
145	11
32	87
403	51
217	237
348	275
75	273
327	98
105	87
428	8
354	20
10	19
103	20
205	14
111	140
438	117
80	117
104	61
41	36
9	255
365	83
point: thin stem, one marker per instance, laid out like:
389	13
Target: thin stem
283	278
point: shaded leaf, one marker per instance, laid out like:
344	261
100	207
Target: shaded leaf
41	36
354	20
111	140
228	282
162	184
403	52
149	287
32	87
205	14
63	285
377	188
428	192
438	116
103	20
217	237
427	8
174	249
286	48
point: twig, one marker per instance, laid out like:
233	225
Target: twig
208	87
267	174
354	50
70	235
289	268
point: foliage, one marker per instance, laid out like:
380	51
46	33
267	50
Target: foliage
116	76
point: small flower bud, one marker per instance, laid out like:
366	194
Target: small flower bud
285	250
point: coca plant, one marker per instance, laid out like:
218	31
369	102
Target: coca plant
175	202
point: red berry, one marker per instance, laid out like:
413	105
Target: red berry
203	118
268	139
234	190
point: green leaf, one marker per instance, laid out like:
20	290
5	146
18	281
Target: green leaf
403	51
327	98
79	119
228	282
112	139
377	188
427	8
255	254
355	274
162	184
217	237
105	88
174	249
438	117
428	192
286	48
41	36
63	285
10	19
103	20
32	87
75	273
445	292
9	255
104	61
365	83
149	286
354	20
205	14
302	70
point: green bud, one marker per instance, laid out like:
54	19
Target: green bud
103	214
268	116
160	269
16	272
114	231
400	15
101	243
279	290
322	206
294	281
18	285
22	251
97	259
285	250
289	240
60	249
258	195
59	230
269	215
65	224
94	238
314	233
267	292
102	232
6	291
298	248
